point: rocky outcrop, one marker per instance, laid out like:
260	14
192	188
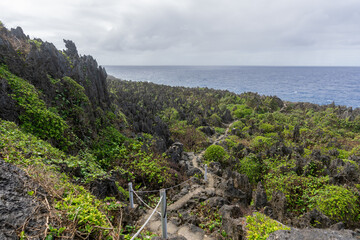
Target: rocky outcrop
38	62
260	197
278	206
312	219
175	152
8	108
314	234
21	207
231	222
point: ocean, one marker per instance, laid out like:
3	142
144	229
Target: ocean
321	85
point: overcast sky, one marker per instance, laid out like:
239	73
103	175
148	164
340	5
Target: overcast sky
197	32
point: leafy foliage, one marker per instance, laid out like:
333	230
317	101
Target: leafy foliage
252	167
35	117
298	190
260	226
337	202
215	153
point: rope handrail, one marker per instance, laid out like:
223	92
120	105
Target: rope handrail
141	200
142	227
179	184
154	191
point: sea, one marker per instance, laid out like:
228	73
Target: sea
320	85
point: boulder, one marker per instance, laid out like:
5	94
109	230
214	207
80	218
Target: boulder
103	188
175	152
315	219
231	223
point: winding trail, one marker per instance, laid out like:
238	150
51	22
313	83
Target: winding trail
188	231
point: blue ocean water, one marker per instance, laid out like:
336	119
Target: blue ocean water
321	85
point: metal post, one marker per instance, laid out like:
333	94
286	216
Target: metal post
163	213
205	175
131	195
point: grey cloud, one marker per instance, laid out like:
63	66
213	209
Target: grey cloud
243	32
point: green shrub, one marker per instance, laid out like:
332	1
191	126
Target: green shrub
298	190
267	127
238	125
215	120
192	138
83	208
261	142
243	112
260	226
109	146
35	117
338	203
215	153
252	167
220	130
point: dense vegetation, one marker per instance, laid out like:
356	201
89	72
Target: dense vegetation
83	138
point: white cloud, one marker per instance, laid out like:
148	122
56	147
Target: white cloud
256	32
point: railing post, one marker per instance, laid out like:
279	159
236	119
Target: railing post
205	175
131	195
163	213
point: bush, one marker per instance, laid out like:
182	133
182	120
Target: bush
35	118
252	167
261	142
267	127
260	226
215	153
238	125
242	112
299	190
215	120
192	138
338	203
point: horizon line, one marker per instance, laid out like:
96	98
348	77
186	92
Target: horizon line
212	65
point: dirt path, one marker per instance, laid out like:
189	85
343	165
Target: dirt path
188	231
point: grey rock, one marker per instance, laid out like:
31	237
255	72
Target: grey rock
315	219
313	234
175	152
192	171
216	202
216	168
226	117
279	205
209	131
231	223
17	206
236	185
338	226
103	188
260	197
232	193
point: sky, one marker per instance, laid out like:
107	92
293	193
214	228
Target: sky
196	32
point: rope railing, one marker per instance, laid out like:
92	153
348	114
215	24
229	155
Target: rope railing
163	213
142	227
143	202
190	179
